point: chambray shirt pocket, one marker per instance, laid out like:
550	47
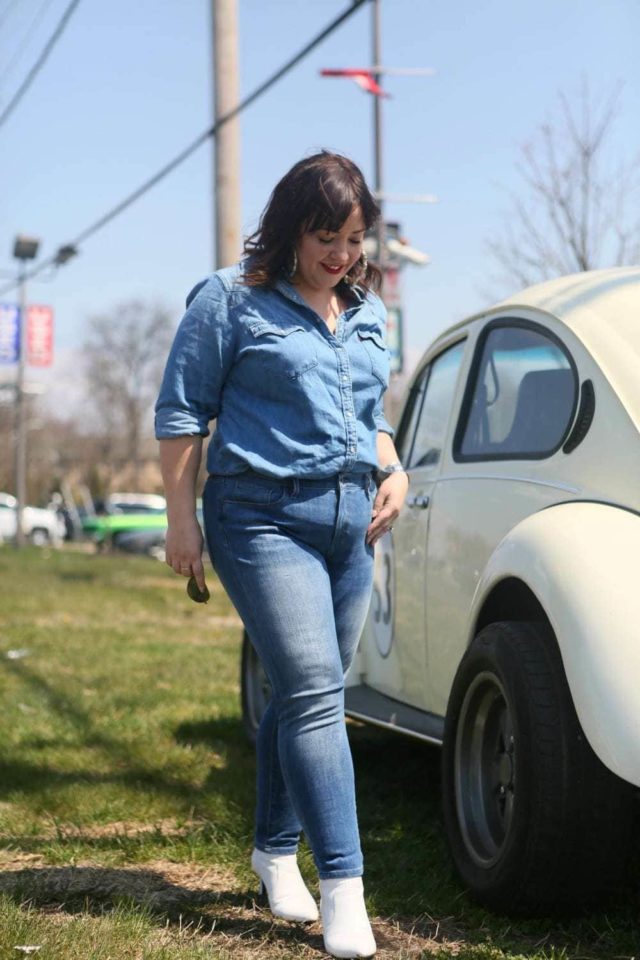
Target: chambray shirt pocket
284	349
374	346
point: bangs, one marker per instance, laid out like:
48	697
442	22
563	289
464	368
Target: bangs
333	204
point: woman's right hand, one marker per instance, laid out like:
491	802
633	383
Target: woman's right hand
183	549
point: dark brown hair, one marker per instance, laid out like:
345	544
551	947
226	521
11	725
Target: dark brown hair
318	193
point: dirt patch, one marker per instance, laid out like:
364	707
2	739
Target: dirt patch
204	904
166	827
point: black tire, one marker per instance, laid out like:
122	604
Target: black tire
255	690
536	824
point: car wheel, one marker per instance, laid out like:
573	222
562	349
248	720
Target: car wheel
39	537
255	689
535	822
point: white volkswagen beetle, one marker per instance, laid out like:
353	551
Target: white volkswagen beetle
505	619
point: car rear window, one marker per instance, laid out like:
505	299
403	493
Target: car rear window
521	396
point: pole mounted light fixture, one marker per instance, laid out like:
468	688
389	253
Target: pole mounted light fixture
64	254
25	248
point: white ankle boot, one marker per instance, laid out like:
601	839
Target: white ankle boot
345	924
286	891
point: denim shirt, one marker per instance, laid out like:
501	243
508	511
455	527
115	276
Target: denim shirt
290	397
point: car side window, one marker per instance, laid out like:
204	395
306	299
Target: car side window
432	408
521	397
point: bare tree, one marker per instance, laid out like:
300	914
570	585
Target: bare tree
576	209
125	352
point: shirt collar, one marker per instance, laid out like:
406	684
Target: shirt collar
287	289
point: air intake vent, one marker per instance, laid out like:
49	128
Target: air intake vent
584	418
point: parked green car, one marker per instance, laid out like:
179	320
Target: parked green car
124	515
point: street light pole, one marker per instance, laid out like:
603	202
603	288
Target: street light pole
21	418
377	132
25	248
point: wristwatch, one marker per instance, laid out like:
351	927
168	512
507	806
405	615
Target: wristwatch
383	472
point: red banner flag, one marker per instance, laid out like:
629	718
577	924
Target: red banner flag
364	78
39	336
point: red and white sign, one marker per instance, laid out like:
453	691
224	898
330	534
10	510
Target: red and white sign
39	336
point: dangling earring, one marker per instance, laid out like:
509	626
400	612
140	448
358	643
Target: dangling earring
363	263
294	266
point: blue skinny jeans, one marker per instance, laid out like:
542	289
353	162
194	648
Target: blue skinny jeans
292	556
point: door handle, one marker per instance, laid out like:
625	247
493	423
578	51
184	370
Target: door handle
421	501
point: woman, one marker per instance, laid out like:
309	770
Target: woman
286	351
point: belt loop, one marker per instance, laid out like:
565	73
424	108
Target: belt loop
295	486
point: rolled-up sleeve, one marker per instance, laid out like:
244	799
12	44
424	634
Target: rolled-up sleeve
381	421
198	364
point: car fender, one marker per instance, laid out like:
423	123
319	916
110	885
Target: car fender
35	518
580	560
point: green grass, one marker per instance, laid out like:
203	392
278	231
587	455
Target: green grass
126	791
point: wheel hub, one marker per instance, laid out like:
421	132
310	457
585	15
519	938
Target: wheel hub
485	769
505	771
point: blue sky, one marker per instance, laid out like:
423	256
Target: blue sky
129	85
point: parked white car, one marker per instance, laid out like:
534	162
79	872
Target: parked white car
41	527
505	620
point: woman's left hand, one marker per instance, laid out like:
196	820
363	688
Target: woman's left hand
387	505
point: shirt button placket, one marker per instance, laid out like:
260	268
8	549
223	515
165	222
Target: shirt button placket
347	406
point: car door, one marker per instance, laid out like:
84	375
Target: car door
394	652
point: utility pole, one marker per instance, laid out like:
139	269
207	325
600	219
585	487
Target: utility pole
227	140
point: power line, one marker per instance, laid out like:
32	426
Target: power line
191	148
35	69
42	9
7	10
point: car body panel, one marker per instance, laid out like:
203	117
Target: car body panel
469	513
109	524
436	562
580	560
600	308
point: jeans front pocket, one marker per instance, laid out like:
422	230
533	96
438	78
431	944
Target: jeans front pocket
254	490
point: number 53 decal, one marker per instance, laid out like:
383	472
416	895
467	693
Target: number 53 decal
381	612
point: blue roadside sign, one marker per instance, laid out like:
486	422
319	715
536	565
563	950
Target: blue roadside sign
9	333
